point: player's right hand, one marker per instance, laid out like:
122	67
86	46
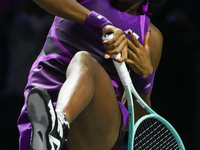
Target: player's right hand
118	44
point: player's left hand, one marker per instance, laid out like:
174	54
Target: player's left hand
139	56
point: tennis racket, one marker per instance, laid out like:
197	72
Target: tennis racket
150	132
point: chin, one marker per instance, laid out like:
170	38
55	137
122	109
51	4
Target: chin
123	5
130	2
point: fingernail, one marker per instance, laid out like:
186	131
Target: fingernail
116	59
149	32
129	33
107	56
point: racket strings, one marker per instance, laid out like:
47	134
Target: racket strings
151	134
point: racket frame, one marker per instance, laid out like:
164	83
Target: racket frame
129	90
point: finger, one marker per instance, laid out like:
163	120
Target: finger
118	35
117	48
110	44
131	46
146	40
134	40
131	61
115	45
124	55
108	47
131	55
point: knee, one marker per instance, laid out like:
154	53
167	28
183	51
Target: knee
83	58
82	61
82	54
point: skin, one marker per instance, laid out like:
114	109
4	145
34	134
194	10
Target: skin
87	96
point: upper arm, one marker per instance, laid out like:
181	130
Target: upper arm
155	45
68	9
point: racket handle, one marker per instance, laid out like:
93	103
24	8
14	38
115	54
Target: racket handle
120	67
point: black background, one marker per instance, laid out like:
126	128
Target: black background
24	26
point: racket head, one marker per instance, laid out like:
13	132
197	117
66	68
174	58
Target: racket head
152	132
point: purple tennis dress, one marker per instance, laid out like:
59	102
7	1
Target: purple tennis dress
66	38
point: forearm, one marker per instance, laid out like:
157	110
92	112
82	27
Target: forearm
68	9
146	98
139	111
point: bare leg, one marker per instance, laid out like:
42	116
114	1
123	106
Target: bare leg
89	101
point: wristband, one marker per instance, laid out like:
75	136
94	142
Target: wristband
144	85
96	22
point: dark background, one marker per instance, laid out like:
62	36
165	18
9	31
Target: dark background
24	26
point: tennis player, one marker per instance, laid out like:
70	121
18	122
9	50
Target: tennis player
73	94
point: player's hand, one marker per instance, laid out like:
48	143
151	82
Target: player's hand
118	44
139	58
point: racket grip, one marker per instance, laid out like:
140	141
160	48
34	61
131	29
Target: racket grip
120	67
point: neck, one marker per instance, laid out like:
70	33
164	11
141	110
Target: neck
126	7
134	9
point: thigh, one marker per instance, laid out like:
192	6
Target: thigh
97	126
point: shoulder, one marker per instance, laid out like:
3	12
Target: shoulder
155	44
155	32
